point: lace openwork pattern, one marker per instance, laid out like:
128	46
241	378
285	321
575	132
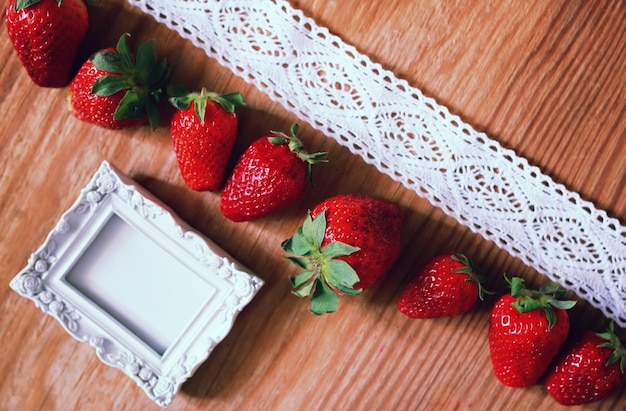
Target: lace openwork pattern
409	136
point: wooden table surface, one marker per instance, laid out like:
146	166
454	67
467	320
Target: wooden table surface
544	77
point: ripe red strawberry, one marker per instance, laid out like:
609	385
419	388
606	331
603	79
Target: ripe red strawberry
590	369
447	285
114	90
47	34
204	129
526	331
344	245
270	175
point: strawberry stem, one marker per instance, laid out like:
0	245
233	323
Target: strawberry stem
472	273
296	146
143	79
547	297
22	4
181	98
613	342
325	277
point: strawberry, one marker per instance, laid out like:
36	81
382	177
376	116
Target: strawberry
114	90
526	331
447	285
591	369
204	129
270	175
47	34
344	246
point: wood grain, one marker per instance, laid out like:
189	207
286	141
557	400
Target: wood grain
545	78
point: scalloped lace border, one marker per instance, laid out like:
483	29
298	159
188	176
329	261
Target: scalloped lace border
412	138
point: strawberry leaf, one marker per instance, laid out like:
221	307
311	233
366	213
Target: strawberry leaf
297	244
313	229
609	334
545	298
181	103
338	249
526	304
516	284
119	61
108	60
131	106
110	84
22	4
302	278
146	58
300	262
295	145
230	101
200	108
325	274
305	290
144	79
278	140
179	96
550	316
324	300
613	343
127	63
158	75
472	273
613	358
562	304
341	276
152	112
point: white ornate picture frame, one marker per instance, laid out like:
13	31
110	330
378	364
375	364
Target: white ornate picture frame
122	272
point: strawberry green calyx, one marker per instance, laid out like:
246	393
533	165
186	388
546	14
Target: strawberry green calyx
295	145
22	4
470	270
181	98
142	77
547	297
324	276
613	343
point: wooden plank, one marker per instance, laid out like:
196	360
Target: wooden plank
545	78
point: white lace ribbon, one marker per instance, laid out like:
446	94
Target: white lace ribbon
412	138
